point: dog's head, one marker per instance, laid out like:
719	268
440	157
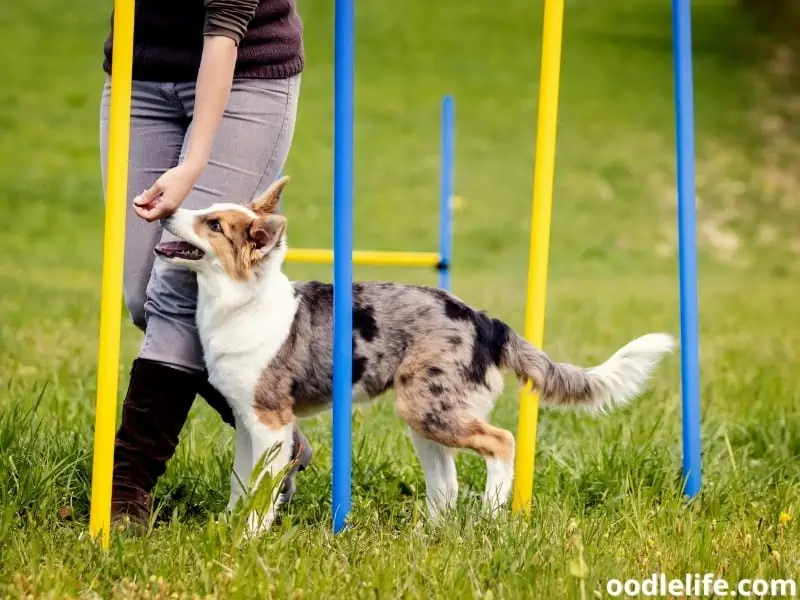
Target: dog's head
230	239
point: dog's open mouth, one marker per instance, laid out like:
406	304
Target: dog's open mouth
182	250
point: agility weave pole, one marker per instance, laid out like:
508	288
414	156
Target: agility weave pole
344	42
687	245
446	189
541	214
441	260
344	257
113	258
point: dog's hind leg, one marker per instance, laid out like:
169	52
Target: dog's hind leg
447	409
428	400
441	478
496	446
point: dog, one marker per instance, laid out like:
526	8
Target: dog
267	343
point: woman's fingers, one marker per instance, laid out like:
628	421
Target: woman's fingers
160	208
147	212
147	196
149	204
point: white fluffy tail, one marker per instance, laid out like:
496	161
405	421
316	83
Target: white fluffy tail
623	376
597	389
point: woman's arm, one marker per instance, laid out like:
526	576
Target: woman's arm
225	26
210	97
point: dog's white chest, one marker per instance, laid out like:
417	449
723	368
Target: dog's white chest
238	346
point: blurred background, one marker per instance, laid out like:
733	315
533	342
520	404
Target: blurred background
614	198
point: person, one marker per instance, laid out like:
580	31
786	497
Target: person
213	107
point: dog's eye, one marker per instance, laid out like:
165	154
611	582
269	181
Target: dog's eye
215	226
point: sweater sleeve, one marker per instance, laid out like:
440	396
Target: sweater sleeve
228	17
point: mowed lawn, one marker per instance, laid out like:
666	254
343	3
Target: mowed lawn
608	500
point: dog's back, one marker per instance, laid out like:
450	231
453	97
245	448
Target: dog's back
388	320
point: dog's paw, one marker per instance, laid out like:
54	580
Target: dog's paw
259	524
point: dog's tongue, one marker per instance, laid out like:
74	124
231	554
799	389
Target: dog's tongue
178	249
179	246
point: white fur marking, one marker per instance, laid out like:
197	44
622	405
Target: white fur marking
441	478
622	377
264	440
242	465
499	479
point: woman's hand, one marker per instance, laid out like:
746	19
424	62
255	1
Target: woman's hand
168	192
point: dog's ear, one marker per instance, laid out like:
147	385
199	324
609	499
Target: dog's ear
265	232
267	203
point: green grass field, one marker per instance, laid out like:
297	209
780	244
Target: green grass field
607	490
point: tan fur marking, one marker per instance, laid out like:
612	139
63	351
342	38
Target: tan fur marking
273	392
233	246
489	441
275	419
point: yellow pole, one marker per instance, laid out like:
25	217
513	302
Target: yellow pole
540	243
378	258
113	256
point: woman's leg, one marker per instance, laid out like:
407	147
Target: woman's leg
158	397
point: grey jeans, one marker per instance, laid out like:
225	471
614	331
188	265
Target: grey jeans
248	154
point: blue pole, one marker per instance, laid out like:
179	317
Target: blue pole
687	245
446	194
342	265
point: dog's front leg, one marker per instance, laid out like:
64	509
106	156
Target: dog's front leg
242	465
273	444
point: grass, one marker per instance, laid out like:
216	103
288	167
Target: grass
607	491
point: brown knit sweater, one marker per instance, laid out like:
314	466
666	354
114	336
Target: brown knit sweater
168	37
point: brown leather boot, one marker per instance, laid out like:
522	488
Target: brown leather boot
215	400
156	407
